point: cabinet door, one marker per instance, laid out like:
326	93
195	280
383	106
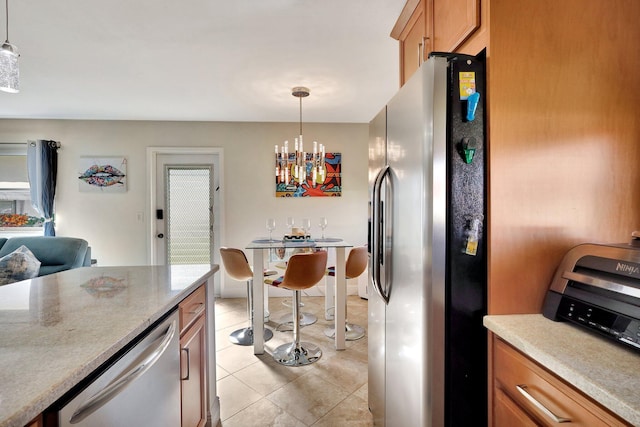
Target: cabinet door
36	422
412	46
453	22
411	31
507	413
192	375
545	398
191	307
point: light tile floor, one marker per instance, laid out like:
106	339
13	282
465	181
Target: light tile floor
256	391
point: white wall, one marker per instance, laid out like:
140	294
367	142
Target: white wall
109	221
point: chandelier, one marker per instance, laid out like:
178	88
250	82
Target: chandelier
298	167
9	72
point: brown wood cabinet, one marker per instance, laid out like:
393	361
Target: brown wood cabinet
563	145
526	394
453	22
563	141
411	31
36	422
562	136
193	359
425	26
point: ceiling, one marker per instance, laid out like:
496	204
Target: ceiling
204	60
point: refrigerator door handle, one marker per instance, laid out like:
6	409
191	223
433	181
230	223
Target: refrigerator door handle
376	251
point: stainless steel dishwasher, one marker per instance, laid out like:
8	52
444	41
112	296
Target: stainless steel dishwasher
142	388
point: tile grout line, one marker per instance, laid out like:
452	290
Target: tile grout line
313	334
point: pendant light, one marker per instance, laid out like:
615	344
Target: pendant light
9	71
301	167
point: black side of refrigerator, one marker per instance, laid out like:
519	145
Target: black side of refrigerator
466	278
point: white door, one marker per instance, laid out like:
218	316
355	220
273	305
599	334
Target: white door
183	215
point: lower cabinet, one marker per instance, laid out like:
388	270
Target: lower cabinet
506	412
36	422
526	394
193	359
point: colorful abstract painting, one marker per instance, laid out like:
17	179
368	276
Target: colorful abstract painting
327	183
103	174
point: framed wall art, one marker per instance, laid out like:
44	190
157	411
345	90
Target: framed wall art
102	174
313	177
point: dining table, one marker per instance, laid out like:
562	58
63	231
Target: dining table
259	245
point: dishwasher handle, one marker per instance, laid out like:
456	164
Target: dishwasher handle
109	392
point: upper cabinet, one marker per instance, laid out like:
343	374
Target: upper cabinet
453	22
425	26
411	31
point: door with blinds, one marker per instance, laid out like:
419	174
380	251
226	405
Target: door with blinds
184	214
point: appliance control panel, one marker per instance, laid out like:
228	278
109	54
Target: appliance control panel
620	328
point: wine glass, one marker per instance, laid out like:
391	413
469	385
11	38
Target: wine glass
323	224
271	225
306	225
290	223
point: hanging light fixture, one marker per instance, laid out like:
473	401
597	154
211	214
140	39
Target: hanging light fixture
9	71
298	167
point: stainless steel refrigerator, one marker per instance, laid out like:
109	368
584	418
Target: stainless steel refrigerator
427	296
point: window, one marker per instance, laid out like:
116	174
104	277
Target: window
188	215
17	215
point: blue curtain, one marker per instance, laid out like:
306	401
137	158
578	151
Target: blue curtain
42	165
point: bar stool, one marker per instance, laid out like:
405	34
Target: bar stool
305	319
303	271
356	265
237	266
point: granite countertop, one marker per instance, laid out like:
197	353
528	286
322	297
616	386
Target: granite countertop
604	371
57	329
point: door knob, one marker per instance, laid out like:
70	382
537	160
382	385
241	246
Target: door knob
160	236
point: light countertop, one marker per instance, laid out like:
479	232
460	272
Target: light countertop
604	371
57	329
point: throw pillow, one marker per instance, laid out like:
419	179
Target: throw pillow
20	264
